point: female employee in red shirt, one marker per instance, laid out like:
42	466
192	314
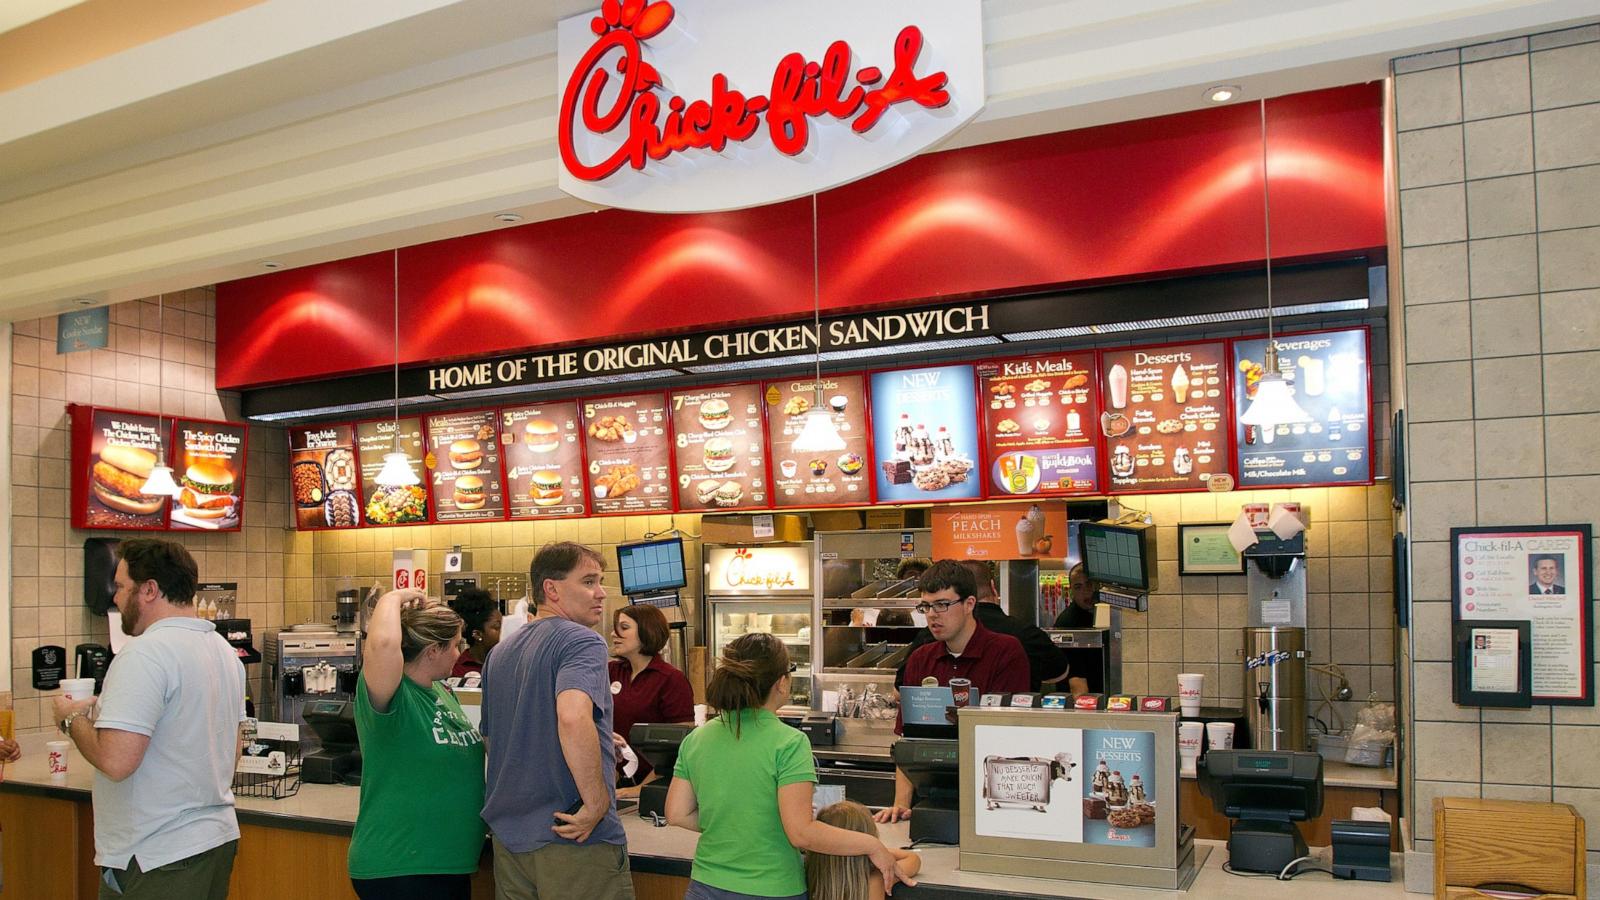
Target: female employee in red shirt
480	617
644	687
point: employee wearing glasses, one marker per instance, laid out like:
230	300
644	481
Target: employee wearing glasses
961	648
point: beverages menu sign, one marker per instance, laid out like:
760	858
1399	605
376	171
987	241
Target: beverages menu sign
1327	371
1165	420
719	440
802	478
1040	414
630	460
543	459
465	448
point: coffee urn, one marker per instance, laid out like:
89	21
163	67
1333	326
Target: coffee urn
1275	643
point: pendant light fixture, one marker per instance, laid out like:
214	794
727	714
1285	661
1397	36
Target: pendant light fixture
1274	402
160	482
396	471
818	434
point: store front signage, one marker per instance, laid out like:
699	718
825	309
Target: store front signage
873	330
696	105
759	569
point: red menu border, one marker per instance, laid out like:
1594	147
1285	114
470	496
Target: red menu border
82	440
427	482
672	481
244	458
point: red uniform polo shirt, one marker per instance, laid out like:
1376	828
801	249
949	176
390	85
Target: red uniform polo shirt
661	693
993	662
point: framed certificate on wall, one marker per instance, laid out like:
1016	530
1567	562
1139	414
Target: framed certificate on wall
1205	550
1493	665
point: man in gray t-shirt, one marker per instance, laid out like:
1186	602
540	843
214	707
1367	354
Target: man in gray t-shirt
547	721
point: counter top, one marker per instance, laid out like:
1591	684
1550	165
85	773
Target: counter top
668	850
1344	775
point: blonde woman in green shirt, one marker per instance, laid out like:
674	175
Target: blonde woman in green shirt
744	781
418	830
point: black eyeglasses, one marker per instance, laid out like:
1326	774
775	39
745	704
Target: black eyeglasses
936	606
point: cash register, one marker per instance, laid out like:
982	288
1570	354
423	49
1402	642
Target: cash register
658	743
1264	792
338	760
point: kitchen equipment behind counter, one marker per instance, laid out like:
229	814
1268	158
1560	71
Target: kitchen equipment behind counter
309	667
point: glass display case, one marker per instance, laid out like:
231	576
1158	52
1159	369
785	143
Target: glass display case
762	588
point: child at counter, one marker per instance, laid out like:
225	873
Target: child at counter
745	781
831	877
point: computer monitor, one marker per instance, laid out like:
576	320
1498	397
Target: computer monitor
651	567
1120	556
933	766
1265	792
658	744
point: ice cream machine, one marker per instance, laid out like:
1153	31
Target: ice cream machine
1274	642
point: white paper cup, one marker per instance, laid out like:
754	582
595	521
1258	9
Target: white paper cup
700	714
1219	735
56	758
1190	734
1191	687
77	688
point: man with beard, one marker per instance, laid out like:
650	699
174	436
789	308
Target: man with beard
165	740
961	648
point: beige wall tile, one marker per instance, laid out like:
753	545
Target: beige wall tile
1430	156
1569	136
1511	501
1587	802
1572	499
1569	444
1510	448
1502	146
1433	215
1447	751
1495	87
1436	274
1572	382
1427	791
1438	331
1504	266
1516	754
1524	792
1505	326
1439	392
1576	756
1500	206
1566	76
1430	570
1566	198
1425	99
1569	260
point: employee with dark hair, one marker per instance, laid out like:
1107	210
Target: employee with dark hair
912	567
644	687
480	618
1087	666
744	781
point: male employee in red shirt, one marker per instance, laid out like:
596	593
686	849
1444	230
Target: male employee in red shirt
961	648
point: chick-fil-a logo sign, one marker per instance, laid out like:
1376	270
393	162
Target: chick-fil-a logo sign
696	105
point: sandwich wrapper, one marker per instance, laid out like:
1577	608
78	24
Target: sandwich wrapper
1241	534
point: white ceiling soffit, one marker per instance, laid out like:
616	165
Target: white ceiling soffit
302	131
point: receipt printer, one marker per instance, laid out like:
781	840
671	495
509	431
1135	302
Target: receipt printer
1361	850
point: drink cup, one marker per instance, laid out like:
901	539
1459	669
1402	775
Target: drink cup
700	711
1025	536
1315	376
961	691
1190	734
1191	687
56	756
77	688
788	467
1219	735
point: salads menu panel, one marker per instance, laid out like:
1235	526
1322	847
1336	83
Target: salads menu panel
626	441
720	447
832	478
1327	372
209	469
401	504
465	450
1165	420
925	434
1039	419
323	477
113	453
543	460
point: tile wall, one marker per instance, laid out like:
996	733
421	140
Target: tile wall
1499	174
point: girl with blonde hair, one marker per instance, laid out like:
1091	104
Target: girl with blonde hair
830	877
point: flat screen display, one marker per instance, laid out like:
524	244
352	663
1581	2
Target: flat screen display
650	566
1116	554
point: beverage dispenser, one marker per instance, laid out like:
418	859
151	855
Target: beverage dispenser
1275	641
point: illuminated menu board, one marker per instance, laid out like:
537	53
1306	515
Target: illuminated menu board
544	460
719	439
1040	416
209	468
323	477
818	478
396	504
626	441
925	434
1327	372
1165	418
465	447
113	453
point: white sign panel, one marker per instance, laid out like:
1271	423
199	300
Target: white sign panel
699	105
757	570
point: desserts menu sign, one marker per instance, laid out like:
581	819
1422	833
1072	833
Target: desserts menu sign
544	460
113	453
802	478
720	452
1164	420
1327	371
629	458
323	477
1039	416
400	504
924	434
465	448
209	470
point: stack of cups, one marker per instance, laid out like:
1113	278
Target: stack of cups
1191	687
1190	735
1219	735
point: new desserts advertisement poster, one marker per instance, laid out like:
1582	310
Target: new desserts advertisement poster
925	434
1119	788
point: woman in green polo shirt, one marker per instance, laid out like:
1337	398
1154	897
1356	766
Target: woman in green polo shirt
418	830
744	781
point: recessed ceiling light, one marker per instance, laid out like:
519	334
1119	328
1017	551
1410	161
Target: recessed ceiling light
83	301
508	218
271	264
1222	93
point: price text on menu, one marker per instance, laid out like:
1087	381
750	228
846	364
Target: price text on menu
630	462
1165	420
1040	414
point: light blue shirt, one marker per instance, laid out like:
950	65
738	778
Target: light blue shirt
182	685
